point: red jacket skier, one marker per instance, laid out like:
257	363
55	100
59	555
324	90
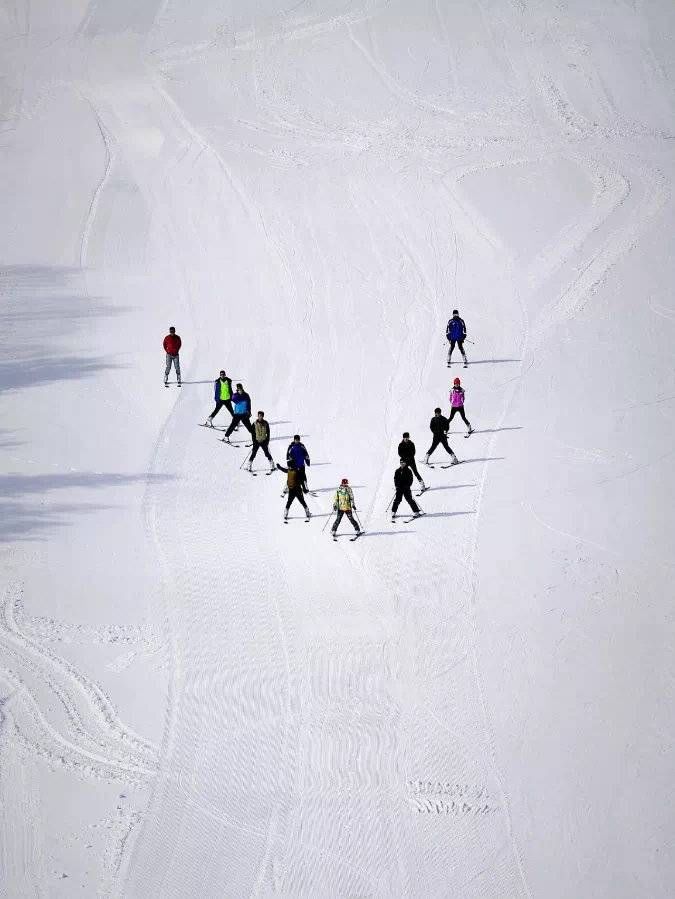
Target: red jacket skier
172	345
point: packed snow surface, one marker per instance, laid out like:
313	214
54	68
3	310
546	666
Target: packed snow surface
197	700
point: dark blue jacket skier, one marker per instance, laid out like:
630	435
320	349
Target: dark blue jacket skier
297	451
456	329
456	334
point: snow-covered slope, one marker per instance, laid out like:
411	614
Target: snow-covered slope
198	700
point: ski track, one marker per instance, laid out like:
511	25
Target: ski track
95	730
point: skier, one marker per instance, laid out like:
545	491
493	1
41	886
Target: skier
297	451
406	451
457	404
344	504
403	479
439	426
222	394
294	484
242	412
456	334
261	440
172	345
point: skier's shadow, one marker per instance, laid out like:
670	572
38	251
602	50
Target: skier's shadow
445	514
385	533
484	459
196	382
488	361
496	430
449	487
287	436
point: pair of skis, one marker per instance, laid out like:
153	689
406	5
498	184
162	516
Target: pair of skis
308	493
353	539
408	519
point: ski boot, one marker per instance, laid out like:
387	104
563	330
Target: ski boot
455	460
208	423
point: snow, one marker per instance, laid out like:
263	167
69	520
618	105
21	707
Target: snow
198	700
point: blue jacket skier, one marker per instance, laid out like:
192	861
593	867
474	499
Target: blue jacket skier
298	455
456	334
241	402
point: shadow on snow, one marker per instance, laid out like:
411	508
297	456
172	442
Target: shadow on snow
46	308
26	512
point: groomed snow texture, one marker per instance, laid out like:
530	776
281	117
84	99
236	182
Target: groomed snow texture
197	700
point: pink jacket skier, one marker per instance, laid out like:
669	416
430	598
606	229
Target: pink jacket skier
457	404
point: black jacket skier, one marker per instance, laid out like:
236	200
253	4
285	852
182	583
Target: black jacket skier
403	479
406	451
439	426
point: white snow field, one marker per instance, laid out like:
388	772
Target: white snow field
200	701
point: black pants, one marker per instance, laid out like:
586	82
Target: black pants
460	344
264	445
338	519
460	411
236	419
442	440
404	493
412	465
295	493
219	406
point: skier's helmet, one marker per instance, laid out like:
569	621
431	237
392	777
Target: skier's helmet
406	434
437	410
344	481
455	311
456	382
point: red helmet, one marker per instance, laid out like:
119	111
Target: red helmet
456	381
345	481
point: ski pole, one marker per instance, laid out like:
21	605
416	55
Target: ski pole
326	523
358	520
245	461
390	503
